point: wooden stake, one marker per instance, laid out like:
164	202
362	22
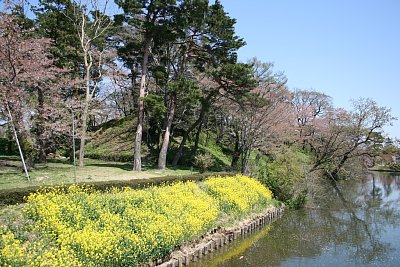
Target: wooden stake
16	139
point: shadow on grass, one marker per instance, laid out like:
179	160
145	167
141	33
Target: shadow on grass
18	195
119	165
10	157
61	161
125	166
10	165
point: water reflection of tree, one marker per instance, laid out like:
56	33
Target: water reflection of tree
349	222
364	220
376	192
364	213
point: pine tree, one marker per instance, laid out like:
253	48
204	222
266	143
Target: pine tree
149	20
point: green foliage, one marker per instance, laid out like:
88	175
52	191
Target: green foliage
189	89
155	110
55	23
235	78
204	161
285	176
145	19
221	41
221	154
4	147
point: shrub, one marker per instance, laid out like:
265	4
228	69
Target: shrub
286	177
204	161
4	149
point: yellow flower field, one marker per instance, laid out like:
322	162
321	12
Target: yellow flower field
78	226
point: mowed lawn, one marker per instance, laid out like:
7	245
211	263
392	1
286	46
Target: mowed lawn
61	171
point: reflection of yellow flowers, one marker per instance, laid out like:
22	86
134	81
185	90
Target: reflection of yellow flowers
78	226
238	248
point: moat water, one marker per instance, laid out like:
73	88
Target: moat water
356	223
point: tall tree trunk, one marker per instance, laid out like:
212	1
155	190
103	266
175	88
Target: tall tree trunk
236	152
137	162
197	139
220	131
28	149
83	134
243	163
71	153
131	96
335	172
179	152
162	158
245	159
207	138
205	104
40	127
198	122
88	98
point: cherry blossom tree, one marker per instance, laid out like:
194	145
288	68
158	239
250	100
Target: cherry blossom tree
27	78
345	135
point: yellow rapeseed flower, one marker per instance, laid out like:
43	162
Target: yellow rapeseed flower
78	226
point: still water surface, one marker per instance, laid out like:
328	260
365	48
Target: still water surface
354	224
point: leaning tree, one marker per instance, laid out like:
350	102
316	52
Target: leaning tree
344	135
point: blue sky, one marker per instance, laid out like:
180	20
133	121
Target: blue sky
346	49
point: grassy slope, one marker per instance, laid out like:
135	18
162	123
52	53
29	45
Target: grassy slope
113	141
217	152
